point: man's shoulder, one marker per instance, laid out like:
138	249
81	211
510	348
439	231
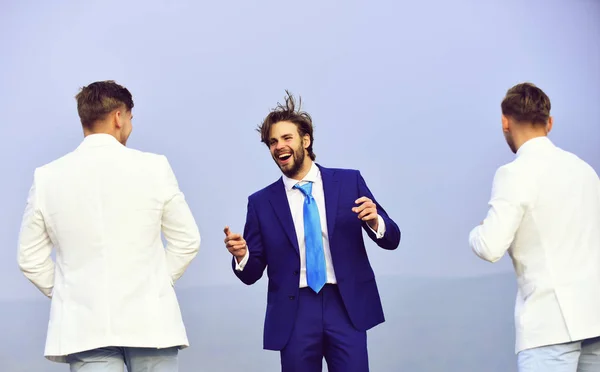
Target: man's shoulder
266	191
572	157
145	155
512	166
513	171
348	172
56	163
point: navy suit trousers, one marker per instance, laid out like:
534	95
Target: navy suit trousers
323	329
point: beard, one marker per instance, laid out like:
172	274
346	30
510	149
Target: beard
292	168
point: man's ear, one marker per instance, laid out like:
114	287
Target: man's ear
549	125
306	141
505	124
118	118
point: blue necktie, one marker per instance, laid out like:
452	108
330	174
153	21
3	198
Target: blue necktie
316	274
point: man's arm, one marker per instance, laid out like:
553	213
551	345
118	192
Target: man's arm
388	233
178	227
251	268
35	245
492	238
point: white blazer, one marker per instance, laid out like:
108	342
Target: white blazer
103	207
545	211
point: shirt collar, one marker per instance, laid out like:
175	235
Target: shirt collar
534	143
311	176
99	139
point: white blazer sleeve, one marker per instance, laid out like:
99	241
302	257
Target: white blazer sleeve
178	226
35	246
493	237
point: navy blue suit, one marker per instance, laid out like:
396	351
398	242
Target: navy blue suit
272	243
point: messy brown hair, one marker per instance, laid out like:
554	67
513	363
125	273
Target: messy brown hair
288	112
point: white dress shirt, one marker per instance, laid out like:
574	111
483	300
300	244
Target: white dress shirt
296	202
545	212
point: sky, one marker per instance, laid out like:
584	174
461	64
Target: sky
407	92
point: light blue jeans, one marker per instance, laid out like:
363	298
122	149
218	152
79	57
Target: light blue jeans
579	356
113	359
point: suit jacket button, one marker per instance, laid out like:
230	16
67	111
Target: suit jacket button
295	272
292	297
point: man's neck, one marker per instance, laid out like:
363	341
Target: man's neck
303	171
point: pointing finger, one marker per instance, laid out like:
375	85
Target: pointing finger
233	237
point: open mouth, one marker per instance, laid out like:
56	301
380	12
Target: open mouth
284	158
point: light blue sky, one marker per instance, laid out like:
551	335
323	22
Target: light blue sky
406	91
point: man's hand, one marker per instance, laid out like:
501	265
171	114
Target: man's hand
236	245
367	211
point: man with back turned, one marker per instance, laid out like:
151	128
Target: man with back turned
103	207
545	212
306	230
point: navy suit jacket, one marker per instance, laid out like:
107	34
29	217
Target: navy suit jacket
271	238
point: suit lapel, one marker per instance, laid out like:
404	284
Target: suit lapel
331	192
281	207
